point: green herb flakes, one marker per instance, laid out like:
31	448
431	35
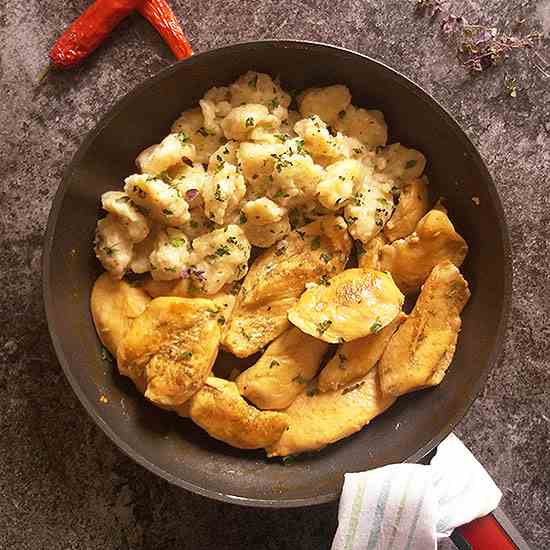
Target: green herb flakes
323	327
376	327
410	164
315	242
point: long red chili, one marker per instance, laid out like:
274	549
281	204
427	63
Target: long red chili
89	31
161	16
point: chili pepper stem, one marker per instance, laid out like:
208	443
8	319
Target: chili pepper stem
44	72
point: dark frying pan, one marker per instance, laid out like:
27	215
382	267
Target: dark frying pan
174	448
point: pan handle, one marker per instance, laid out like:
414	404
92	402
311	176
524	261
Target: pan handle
492	532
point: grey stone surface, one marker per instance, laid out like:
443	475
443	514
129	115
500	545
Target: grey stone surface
62	483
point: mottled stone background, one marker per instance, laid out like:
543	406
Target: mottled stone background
62	483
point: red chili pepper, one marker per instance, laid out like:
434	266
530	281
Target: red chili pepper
89	31
161	16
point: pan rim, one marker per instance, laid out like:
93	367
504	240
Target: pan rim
119	105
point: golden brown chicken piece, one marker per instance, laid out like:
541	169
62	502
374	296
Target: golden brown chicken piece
353	304
219	409
354	360
420	352
411	260
368	255
413	205
282	372
170	349
224	299
277	279
317	419
115	304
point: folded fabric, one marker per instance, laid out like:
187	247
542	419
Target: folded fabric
411	506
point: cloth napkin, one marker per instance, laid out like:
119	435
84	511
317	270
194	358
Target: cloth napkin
411	506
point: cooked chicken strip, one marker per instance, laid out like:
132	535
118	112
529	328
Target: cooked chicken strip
413	205
170	348
354	360
219	409
281	373
411	260
277	279
317	419
353	304
115	304
420	352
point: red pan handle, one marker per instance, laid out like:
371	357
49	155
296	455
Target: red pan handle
492	532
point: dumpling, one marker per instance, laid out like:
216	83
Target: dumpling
170	256
120	204
401	163
352	304
326	102
219	409
277	279
169	152
222	194
422	349
369	127
112	245
282	372
114	305
318	419
170	348
340	182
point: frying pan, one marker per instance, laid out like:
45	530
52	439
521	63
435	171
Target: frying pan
174	448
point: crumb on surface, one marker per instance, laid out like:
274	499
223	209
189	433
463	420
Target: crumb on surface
475	200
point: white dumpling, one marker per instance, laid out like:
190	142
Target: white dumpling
219	257
253	87
339	183
369	127
317	139
112	246
170	256
162	202
121	205
169	152
222	193
401	163
326	102
241	121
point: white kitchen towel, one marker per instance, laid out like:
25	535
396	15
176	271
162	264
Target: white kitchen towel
411	506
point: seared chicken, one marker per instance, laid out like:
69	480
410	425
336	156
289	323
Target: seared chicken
317	419
281	373
354	360
351	305
368	255
411	260
219	409
224	299
413	205
420	352
115	304
277	279
170	349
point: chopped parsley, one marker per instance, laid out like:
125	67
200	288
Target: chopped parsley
218	195
186	355
281	249
242	218
357	150
315	242
300	379
110	251
223	250
139	191
410	164
183	137
253	82
323	327
221	320
326	257
324	280
300	147
232	240
171	269
301	234
249	122
123	199
341	114
177	243
167	211
235	287
351	388
205	132
280	194
280	162
281	137
274	363
376	326
194	224
274	103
